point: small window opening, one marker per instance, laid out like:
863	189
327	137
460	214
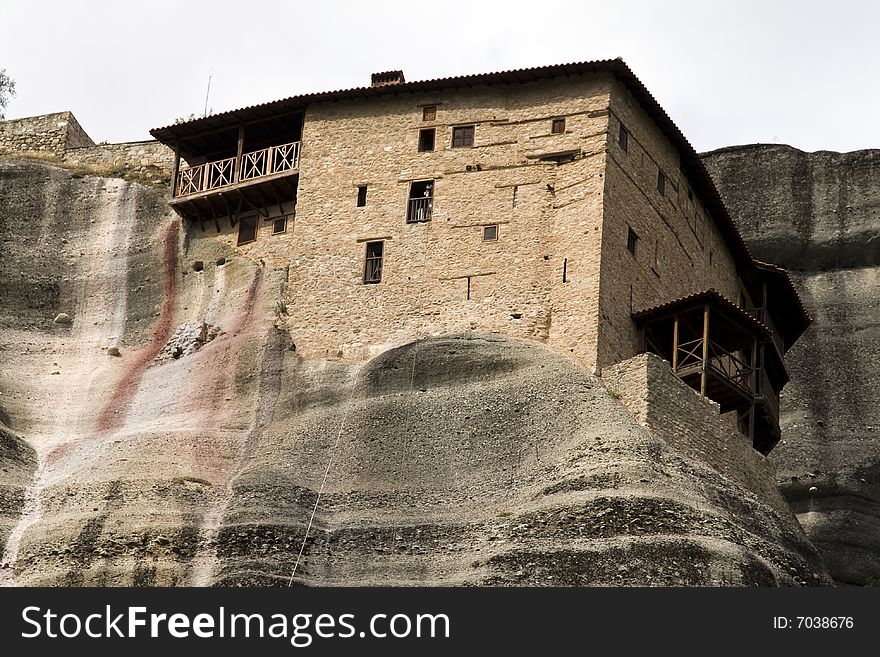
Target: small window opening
490	233
362	196
468	288
515	195
463	136
426	139
421	201
710	258
429	113
373	262
565	270
558	126
623	138
632	240
247	230
661	182
279	225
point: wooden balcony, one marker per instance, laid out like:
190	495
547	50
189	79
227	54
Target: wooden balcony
266	163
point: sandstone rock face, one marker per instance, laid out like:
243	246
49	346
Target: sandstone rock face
463	459
819	215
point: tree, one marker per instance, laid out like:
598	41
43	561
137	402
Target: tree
7	91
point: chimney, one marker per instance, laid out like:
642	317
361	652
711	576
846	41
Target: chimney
386	78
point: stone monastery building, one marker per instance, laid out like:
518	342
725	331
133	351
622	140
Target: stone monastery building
559	204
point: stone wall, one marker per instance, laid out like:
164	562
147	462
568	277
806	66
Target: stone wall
441	276
51	134
678	415
679	249
148	159
60	136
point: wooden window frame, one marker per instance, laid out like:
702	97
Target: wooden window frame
558	122
275	221
468	138
429	113
377	270
490	239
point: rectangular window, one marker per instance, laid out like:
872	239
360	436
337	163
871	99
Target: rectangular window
362	196
661	182
426	139
632	241
515	195
558	126
623	138
490	233
421	201
463	136
373	263
429	113
279	225
247	230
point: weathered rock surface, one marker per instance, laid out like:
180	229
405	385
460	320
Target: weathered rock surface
819	215
466	459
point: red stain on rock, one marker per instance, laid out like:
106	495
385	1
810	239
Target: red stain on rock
114	413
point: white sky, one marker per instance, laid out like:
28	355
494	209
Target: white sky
727	71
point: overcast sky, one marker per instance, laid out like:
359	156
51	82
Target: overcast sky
728	72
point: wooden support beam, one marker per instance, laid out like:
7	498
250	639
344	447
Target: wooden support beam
175	172
263	212
226	206
675	345
238	154
754	383
704	375
234	218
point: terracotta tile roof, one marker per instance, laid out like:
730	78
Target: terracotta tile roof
713	298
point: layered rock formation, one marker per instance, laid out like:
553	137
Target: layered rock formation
818	214
467	459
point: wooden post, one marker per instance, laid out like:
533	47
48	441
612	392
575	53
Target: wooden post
675	345
754	389
238	154
705	373
175	171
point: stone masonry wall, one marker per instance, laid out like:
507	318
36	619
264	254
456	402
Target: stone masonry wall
679	249
149	159
51	134
441	276
677	414
61	136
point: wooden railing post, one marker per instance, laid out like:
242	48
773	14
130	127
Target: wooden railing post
704	374
175	172
675	345
238	153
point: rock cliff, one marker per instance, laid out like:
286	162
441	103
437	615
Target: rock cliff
159	428
819	215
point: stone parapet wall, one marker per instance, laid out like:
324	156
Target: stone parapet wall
60	136
693	425
144	158
50	134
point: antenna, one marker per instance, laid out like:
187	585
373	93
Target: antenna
208	91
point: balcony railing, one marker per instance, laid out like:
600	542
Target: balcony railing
222	173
